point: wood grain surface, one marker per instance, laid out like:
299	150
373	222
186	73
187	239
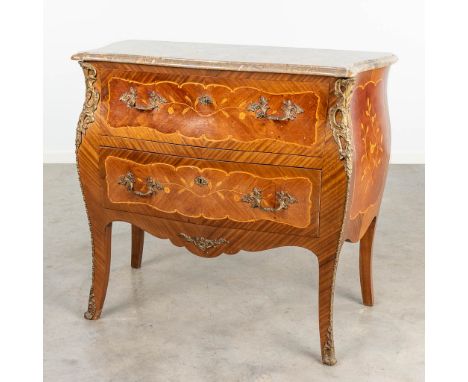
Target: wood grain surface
225	123
220	201
215	111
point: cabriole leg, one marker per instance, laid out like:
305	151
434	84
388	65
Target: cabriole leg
326	289
101	242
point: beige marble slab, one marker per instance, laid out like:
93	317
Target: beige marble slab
337	63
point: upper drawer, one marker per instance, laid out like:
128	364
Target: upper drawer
250	114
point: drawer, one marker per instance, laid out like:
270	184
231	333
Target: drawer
250	115
256	197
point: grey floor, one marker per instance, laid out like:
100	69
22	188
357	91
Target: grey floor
248	317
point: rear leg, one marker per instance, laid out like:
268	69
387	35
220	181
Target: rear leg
365	265
138	239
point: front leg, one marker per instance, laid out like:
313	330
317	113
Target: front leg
326	290
101	236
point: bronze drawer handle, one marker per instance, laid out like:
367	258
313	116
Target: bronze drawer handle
203	243
130	99
283	200
260	108
128	180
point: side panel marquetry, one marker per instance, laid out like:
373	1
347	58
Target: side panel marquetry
275	198
371	138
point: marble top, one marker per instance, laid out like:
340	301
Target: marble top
326	62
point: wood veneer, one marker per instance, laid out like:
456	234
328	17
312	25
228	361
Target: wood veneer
219	202
371	142
226	122
332	157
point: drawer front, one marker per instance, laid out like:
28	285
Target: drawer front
251	115
246	196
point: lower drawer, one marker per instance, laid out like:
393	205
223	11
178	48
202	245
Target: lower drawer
246	196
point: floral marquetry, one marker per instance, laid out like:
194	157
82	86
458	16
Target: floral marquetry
215	112
372	141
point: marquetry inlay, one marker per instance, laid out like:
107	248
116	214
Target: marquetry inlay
217	112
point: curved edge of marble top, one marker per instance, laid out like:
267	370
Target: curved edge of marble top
348	69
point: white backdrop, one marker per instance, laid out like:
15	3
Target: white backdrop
379	25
